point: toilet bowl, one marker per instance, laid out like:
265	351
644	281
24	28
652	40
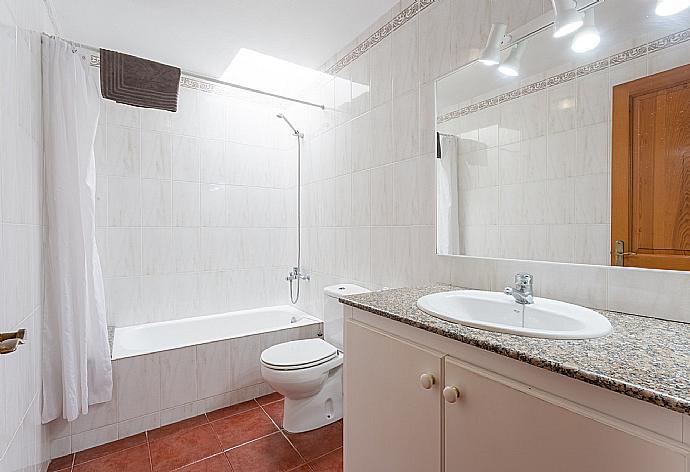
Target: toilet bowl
308	372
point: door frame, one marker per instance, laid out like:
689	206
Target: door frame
621	168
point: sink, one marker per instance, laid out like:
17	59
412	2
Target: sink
499	312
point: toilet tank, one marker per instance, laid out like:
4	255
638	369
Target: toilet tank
333	311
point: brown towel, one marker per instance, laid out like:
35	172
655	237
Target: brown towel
138	82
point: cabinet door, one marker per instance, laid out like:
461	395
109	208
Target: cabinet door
498	424
392	423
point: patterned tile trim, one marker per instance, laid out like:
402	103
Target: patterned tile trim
596	66
400	19
186	82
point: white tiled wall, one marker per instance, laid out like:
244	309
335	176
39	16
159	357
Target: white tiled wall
23	441
196	209
154	390
381	232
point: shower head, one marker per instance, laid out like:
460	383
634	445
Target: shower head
294	130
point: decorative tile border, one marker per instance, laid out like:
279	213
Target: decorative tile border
382	33
596	66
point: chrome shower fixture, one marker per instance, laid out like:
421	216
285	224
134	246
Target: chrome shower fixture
297	274
294	130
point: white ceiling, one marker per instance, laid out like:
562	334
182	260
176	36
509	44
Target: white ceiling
204	35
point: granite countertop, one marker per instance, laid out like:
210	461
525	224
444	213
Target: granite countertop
644	358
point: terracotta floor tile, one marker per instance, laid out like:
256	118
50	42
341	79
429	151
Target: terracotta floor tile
183	448
173	428
331	462
318	442
217	463
275	411
135	459
109	448
243	427
271	397
270	454
231	410
61	463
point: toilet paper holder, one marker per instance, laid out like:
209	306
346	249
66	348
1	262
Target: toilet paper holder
9	342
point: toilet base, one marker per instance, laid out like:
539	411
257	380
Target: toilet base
324	408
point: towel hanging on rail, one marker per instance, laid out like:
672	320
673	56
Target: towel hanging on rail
139	82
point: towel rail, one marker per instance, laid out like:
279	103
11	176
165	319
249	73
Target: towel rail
194	75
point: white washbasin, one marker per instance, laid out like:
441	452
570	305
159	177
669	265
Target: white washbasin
499	312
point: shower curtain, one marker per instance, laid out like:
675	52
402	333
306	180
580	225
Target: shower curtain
76	356
448	190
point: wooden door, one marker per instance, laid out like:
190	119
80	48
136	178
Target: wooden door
651	171
391	422
498	424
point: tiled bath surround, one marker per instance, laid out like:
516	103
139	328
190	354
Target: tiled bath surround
196	210
370	188
23	441
161	388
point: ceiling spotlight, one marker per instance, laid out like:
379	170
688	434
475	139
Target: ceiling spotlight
671	7
511	66
587	37
567	18
491	55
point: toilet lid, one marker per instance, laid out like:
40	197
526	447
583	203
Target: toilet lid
298	354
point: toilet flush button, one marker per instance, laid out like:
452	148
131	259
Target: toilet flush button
427	381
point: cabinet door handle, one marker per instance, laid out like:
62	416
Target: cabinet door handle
427	381
451	394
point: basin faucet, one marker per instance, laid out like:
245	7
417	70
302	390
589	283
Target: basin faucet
522	293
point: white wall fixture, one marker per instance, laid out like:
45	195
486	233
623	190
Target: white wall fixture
671	7
511	66
567	18
491	55
587	38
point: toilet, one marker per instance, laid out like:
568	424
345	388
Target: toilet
308	372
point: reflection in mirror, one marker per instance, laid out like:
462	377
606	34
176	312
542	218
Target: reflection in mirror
524	146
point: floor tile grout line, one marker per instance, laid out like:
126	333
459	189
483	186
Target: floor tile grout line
233	414
250	441
282	431
324	455
74	459
199	460
148	448
217	436
269	416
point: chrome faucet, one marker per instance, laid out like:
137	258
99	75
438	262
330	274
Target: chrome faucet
522	293
295	274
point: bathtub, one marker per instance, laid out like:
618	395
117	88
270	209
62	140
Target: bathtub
170	371
166	335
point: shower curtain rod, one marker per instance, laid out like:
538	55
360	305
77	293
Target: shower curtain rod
194	75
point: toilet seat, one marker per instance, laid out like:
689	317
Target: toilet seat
297	355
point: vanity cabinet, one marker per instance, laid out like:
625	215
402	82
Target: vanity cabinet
392	422
476	420
499	424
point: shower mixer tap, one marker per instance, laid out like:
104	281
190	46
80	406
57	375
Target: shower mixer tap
296	273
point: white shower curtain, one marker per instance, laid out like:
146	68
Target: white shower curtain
76	357
448	193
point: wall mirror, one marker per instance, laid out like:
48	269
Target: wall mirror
571	149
